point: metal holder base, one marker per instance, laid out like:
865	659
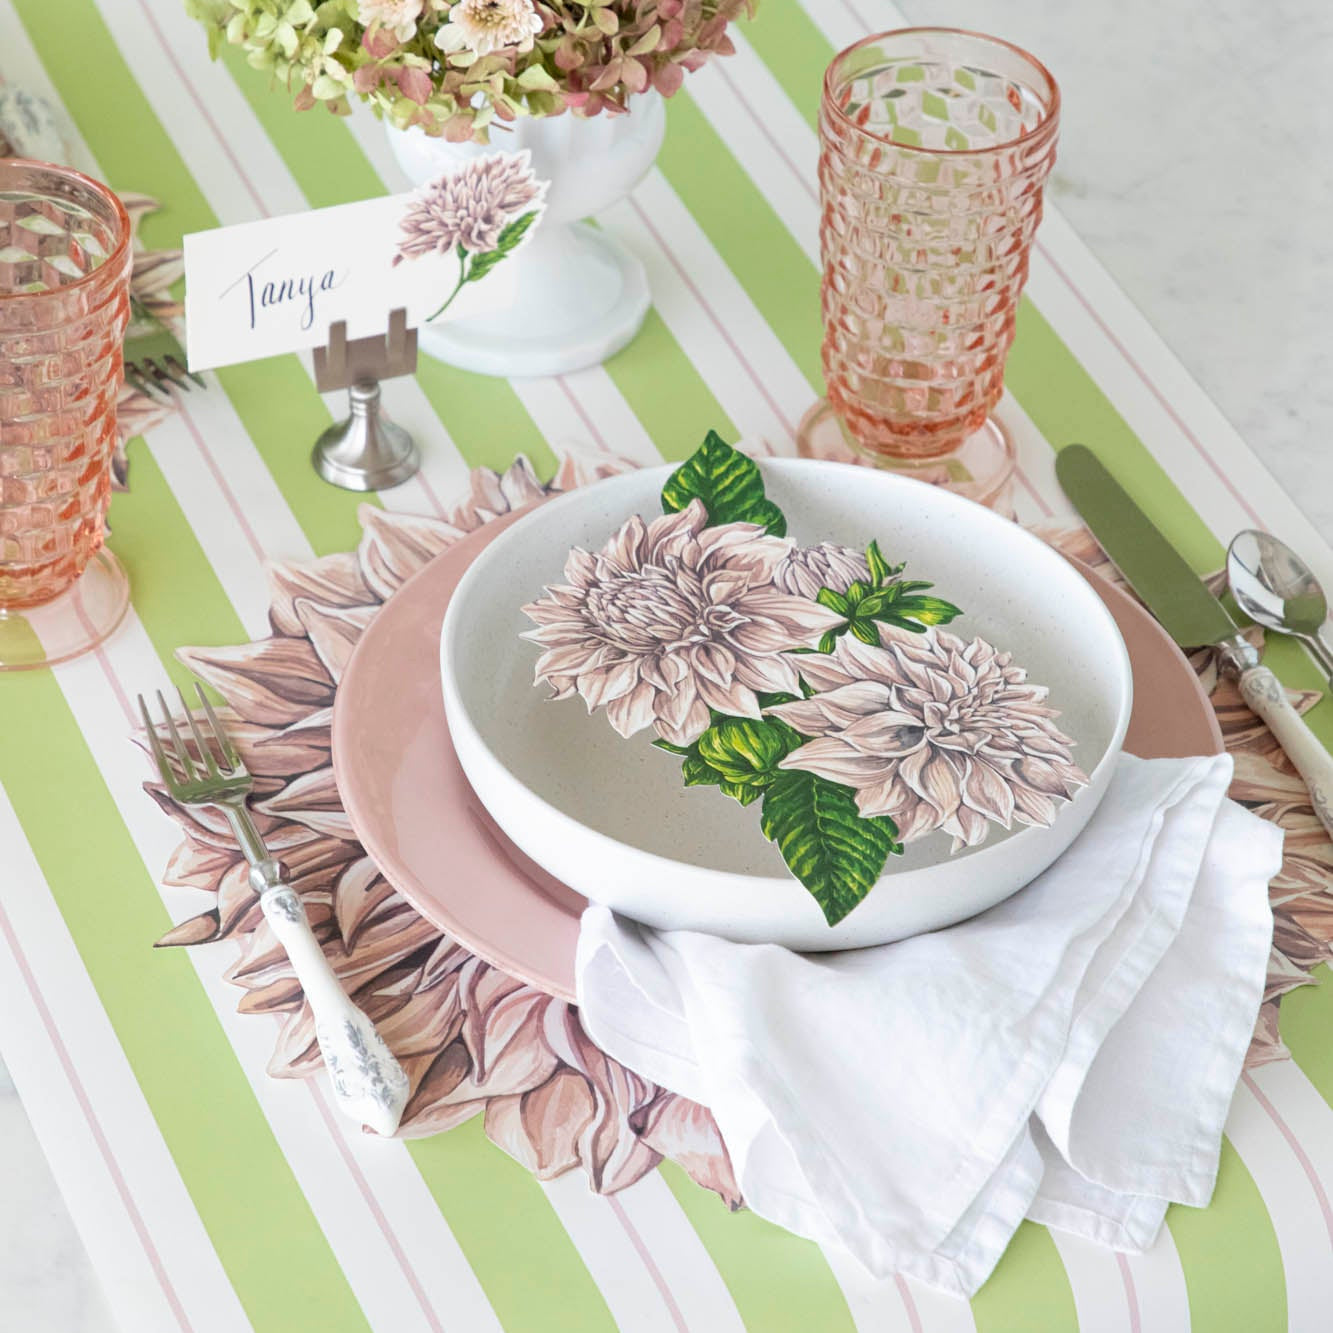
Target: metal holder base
365	452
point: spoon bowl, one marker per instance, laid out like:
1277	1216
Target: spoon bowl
1278	590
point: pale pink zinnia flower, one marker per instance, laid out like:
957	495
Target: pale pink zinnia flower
933	732
672	618
807	569
470	207
484	26
396	16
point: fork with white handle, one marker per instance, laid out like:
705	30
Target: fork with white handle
368	1082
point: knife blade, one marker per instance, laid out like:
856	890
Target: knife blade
1172	591
1189	613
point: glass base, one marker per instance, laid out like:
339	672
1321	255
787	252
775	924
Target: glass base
981	468
77	620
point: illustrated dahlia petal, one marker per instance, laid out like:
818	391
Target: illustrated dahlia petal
732	698
333	631
689	727
832	758
332	581
687	1134
802	621
274	682
311	799
603	684
633	711
986	792
393	547
541	1129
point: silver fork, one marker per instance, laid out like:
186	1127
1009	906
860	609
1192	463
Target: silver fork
368	1082
154	358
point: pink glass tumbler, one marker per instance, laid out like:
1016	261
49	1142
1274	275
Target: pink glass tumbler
935	145
65	256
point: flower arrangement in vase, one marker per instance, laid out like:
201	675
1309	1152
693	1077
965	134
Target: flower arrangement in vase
455	79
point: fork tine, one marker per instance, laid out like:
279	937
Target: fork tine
160	376
171	369
180	375
159	754
182	754
134	373
229	751
205	750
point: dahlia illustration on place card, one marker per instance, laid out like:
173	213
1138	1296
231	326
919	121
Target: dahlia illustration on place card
480	214
815	680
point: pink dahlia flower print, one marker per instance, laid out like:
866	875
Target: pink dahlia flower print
479	213
933	732
807	569
474	1041
671	619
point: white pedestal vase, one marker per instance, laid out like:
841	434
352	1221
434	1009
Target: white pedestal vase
581	295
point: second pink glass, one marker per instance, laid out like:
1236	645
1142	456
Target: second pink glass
934	148
65	257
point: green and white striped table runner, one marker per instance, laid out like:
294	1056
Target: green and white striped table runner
212	1197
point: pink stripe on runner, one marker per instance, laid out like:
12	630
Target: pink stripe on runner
94	1125
430	495
905	1292
683	273
1151	386
362	1184
188	83
1026	482
578	407
372	1203
1298	1152
99	652
774	142
649	1262
868	28
1131	1294
420	477
219	476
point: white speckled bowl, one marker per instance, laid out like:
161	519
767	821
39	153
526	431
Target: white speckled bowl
609	816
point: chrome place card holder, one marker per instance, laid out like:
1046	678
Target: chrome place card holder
301	282
365	452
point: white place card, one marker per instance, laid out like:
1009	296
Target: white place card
260	288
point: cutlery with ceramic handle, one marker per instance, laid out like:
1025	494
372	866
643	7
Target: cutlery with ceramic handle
1188	612
369	1084
1278	590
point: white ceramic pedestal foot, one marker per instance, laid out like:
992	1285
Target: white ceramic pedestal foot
584	297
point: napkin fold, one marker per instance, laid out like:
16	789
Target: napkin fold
1069	1055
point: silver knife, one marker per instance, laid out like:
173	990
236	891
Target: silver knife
1188	612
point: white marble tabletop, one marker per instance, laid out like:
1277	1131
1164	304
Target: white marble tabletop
1189	162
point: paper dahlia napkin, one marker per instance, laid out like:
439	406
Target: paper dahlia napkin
1068	1056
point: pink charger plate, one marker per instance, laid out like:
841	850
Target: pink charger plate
416	815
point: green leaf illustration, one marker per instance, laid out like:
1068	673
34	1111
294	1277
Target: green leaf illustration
886	600
512	234
728	483
740	755
825	842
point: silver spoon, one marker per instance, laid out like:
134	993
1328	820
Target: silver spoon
1278	590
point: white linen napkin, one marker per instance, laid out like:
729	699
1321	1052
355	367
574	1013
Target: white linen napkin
1069	1055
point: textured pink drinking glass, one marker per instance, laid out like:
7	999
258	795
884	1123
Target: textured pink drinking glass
934	147
65	258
